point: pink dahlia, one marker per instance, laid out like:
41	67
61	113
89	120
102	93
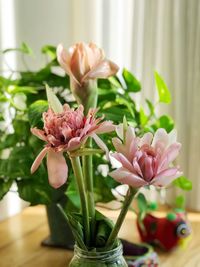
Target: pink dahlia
66	131
146	160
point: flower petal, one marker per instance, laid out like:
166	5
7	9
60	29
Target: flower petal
125	177
64	58
166	177
146	139
119	147
172	136
104	69
120	131
169	155
130	135
105	127
57	168
39	133
39	159
101	144
160	137
74	143
124	161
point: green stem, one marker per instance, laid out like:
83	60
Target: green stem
84	208
127	202
88	176
90	102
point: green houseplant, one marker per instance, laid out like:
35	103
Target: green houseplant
26	96
143	159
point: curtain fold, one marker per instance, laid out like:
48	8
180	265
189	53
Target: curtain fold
141	35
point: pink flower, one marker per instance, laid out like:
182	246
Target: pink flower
66	131
83	62
147	160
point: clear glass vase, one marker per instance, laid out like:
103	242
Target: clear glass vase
111	258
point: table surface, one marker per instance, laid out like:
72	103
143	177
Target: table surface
20	238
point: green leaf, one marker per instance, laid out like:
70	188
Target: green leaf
183	183
35	188
163	91
9	141
180	202
102	188
72	193
75	222
4	187
143	117
49	50
116	113
114	81
150	106
19	101
132	84
166	122
104	227
26	49
13	89
35	112
142	203
53	101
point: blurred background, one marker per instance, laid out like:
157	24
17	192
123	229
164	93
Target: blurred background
141	35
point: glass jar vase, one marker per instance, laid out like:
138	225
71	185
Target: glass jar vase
111	258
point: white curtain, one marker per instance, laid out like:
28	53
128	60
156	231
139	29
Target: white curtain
139	34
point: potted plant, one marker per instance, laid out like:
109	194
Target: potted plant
26	96
145	159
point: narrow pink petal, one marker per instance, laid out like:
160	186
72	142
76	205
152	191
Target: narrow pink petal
124	161
39	133
75	65
169	155
172	137
165	180
148	170
146	139
105	127
101	144
63	58
57	168
74	144
119	147
160	136
120	131
130	135
104	69
137	167
39	159
124	176
132	149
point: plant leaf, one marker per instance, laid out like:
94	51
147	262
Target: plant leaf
49	50
163	91
53	101
183	183
132	84
35	112
4	186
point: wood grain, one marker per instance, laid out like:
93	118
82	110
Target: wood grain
20	238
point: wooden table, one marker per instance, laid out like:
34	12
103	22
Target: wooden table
20	238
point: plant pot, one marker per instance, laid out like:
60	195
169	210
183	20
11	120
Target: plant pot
60	232
111	258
